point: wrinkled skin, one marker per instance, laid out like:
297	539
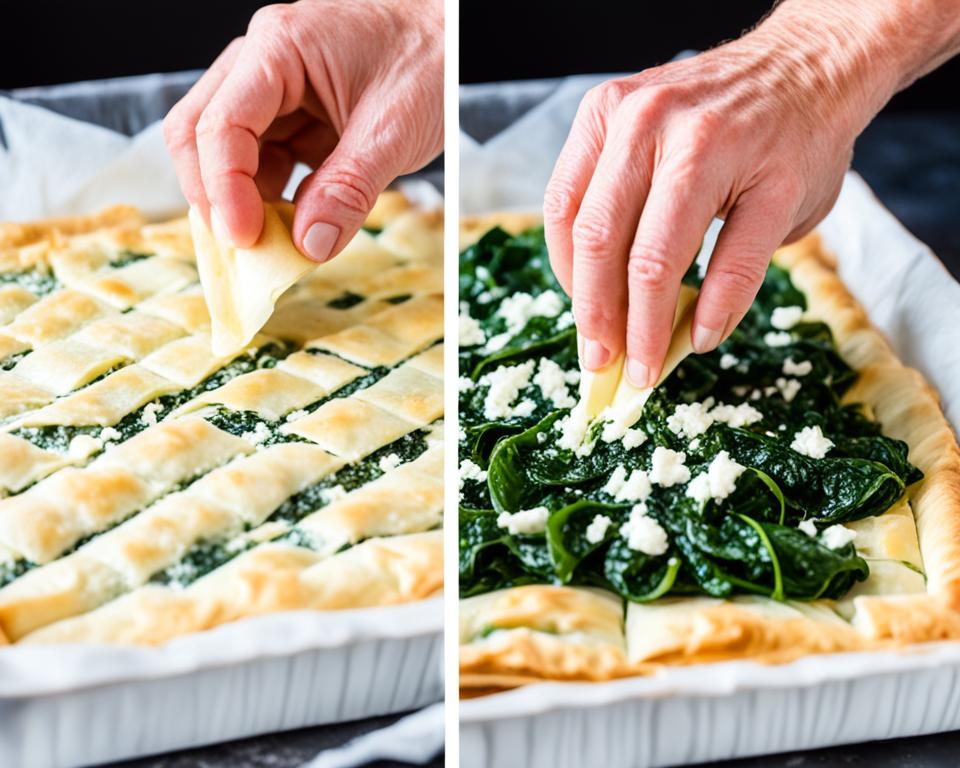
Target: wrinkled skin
758	131
354	90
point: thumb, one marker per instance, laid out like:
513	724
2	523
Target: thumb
333	201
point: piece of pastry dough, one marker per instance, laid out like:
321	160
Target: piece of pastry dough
63	366
242	285
409	393
13	300
56	316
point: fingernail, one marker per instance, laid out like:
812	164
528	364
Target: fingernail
319	241
594	355
706	339
638	373
220	231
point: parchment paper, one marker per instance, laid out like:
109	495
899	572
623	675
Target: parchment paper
909	294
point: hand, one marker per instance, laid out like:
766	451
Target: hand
758	132
354	90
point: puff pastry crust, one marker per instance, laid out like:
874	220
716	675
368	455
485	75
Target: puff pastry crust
531	633
165	467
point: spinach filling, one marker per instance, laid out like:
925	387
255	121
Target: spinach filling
346	300
206	556
746	543
10	361
57	437
125	258
38	281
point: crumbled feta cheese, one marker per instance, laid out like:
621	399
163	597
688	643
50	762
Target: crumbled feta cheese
149	415
109	433
811	442
837	536
553	381
718	482
519	308
788	388
633	438
691	419
461	435
471	471
386	463
573	430
82	447
541	437
258	434
777	338
597	530
784	318
694	444
332	494
728	361
643	533
526	521
791	368
617	420
741	391
470	333
296	415
565	321
736	416
770	391
465	384
808	527
615	481
497	342
523	409
756	394
505	384
668	467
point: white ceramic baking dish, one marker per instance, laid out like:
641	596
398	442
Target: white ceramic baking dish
78	705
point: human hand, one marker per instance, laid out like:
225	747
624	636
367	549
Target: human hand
354	90
758	132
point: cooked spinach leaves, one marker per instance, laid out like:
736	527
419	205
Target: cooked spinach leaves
746	543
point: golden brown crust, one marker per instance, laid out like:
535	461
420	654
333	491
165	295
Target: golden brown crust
697	632
472	228
17	235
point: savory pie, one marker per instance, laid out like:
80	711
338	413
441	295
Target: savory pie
153	485
796	491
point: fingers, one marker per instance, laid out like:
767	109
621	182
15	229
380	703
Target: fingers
311	144
180	127
333	201
259	86
678	210
754	229
601	236
568	184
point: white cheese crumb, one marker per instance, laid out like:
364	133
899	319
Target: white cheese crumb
791	368
837	536
552	381
811	442
741	391
461	435
788	388
777	338
728	361
519	308
149	415
505	384
808	527
526	521
643	533
333	493
691	419
389	462
736	416
565	321
616	480
597	529
784	318
296	415
497	342
470	333
465	384
82	447
617	420
109	433
573	430
718	482
633	438
668	467
694	444
258	435
470	471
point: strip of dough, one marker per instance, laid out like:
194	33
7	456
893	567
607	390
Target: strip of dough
242	285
